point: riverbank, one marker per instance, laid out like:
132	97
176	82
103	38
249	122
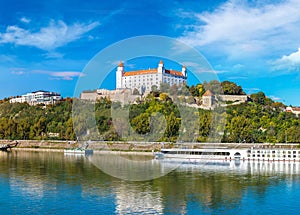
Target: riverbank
119	146
43	145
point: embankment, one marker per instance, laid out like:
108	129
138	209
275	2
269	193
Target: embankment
59	145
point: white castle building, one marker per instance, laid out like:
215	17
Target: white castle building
144	80
37	97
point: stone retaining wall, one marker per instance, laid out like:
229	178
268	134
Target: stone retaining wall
137	146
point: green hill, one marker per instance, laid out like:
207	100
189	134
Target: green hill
259	120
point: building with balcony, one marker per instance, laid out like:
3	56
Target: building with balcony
37	97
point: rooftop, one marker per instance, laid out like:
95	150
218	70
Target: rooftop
208	93
140	72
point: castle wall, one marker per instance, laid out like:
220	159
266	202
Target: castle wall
242	98
119	95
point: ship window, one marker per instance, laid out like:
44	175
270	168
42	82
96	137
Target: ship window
294	152
294	156
263	155
258	151
289	156
258	155
253	155
289	152
284	156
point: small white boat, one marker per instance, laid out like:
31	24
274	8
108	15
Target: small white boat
81	150
78	151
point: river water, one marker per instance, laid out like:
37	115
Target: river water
53	183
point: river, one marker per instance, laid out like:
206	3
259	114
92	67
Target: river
53	183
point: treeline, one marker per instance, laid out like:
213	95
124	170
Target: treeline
261	121
157	117
22	121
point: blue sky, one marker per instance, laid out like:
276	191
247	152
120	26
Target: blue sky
47	44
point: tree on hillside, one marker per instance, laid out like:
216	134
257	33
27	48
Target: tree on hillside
197	91
214	86
259	98
231	88
164	87
141	123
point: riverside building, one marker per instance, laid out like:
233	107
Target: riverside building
145	80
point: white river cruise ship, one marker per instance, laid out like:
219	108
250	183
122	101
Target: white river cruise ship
289	154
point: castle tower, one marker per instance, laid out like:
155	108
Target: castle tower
183	70
208	99
160	68
119	75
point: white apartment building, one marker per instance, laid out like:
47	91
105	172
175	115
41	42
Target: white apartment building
143	80
37	97
294	110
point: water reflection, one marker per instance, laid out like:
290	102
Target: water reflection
35	182
132	168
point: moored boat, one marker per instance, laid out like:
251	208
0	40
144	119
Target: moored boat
225	154
78	151
83	150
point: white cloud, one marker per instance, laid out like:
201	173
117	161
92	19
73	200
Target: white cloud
55	35
25	20
238	66
61	75
275	98
251	90
240	28
53	54
288	62
66	75
17	71
191	64
7	58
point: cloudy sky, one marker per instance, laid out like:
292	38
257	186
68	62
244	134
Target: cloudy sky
47	44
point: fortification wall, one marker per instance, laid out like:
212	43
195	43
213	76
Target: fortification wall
233	98
114	95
